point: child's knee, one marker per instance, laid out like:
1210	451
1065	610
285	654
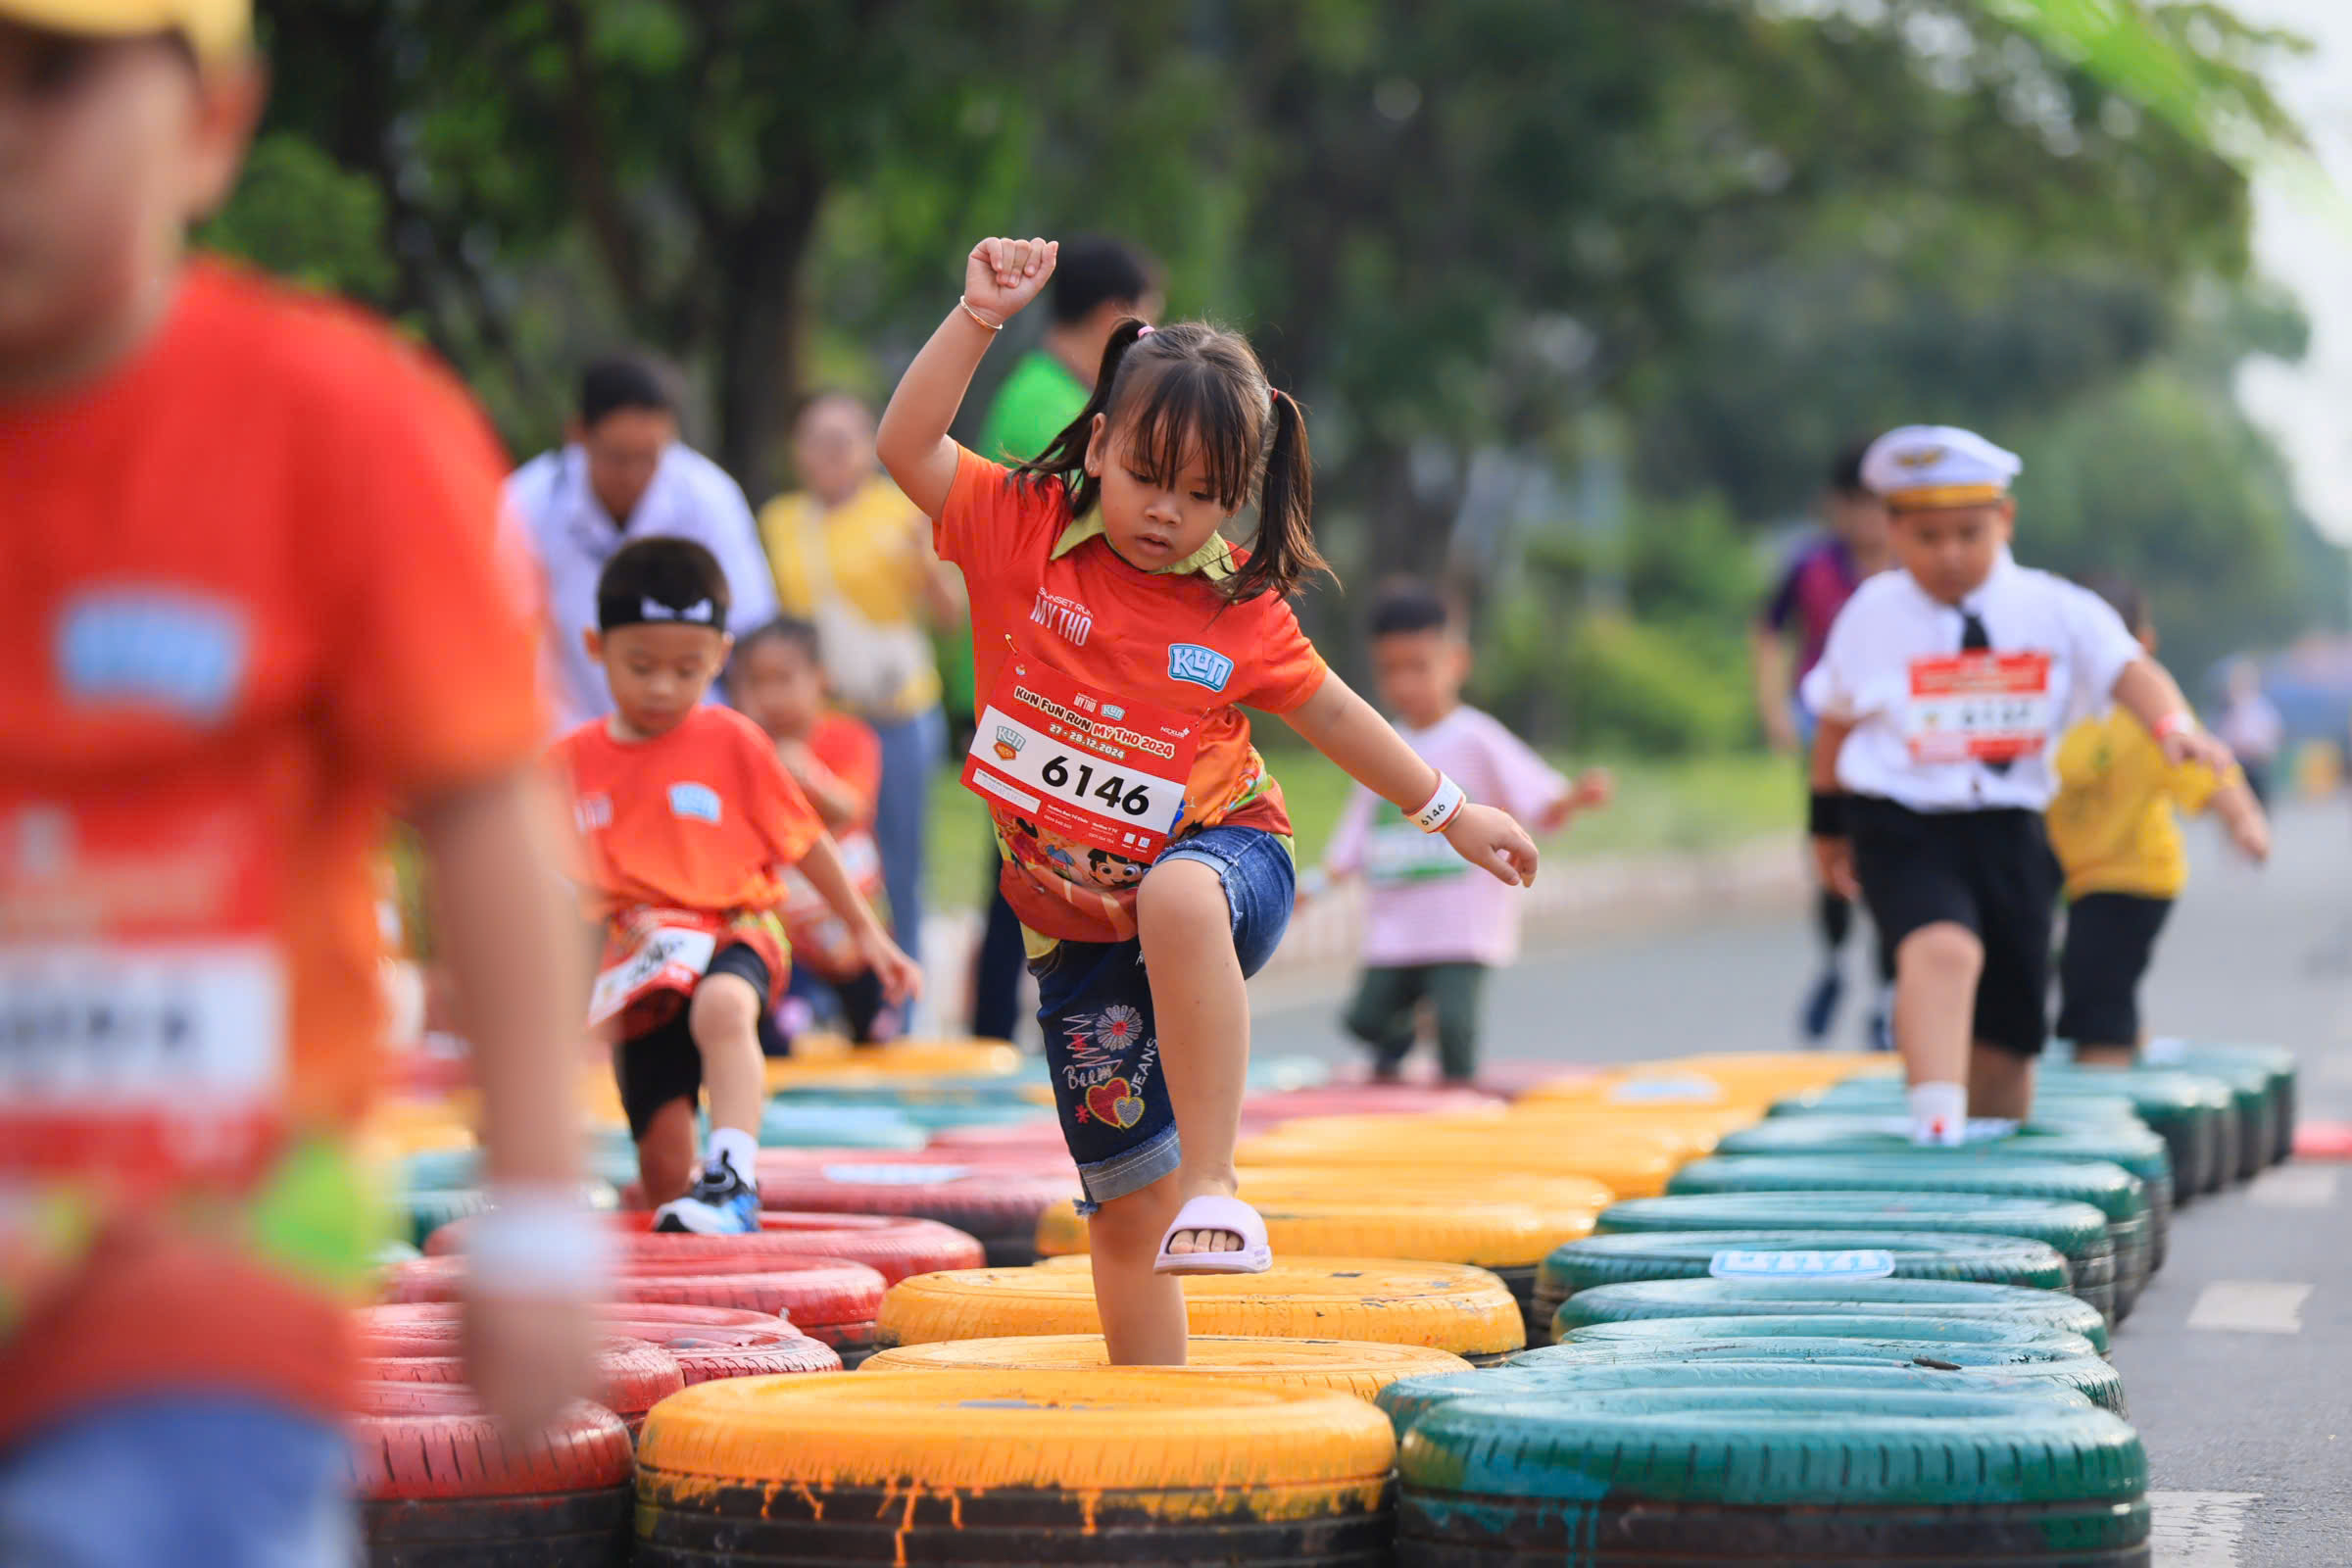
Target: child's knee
1945	951
725	1009
1180	895
1125	1229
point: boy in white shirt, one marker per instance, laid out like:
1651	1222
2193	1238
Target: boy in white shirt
1942	692
1430	934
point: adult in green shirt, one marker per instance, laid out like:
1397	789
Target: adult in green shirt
1098	284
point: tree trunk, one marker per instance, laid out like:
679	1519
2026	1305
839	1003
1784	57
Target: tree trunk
758	330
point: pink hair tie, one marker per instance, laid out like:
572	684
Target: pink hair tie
1144	333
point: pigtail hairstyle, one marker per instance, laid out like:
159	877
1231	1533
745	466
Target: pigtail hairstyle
1190	390
1283	555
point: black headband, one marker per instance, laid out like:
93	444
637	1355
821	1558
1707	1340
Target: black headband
642	610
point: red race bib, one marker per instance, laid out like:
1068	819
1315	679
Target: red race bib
1978	708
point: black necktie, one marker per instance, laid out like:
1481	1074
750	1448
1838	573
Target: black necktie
1974	639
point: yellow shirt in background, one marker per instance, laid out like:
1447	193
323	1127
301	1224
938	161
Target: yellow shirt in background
2112	823
876	548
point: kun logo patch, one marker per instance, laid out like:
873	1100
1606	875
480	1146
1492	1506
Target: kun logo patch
1202	666
697	802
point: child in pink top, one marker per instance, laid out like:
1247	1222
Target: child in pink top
1431	934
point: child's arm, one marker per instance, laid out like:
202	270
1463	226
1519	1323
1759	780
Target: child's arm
1343	727
999	277
900	976
1832	849
1593	787
509	942
838	804
2147	690
2241	814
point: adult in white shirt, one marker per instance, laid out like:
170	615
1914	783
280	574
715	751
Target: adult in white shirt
1942	693
2252	727
622	474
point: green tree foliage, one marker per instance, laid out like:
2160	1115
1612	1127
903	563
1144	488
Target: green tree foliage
1742	229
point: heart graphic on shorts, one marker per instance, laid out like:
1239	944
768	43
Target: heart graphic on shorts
1111	1102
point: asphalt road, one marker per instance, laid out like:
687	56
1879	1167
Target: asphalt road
2239	1361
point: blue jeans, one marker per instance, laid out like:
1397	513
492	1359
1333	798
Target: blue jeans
910	752
1094	1001
180	1481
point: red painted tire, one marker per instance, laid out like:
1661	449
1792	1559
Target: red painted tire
810	1291
439	1482
705	1351
632	1376
818	1295
999	1207
894	1247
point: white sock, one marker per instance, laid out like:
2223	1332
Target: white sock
1938	1114
738	1149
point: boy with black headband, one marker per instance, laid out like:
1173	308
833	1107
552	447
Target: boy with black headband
1942	692
687	821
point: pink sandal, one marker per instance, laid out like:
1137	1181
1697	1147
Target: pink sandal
1214	1211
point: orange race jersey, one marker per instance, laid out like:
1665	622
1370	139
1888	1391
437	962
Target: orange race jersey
848	747
256	594
703	818
1049	587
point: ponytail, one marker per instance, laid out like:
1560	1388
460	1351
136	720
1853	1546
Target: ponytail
1065	457
1284	553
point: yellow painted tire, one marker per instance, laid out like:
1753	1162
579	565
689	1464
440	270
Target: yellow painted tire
1111	1465
1421	1185
1447	1307
1690	1132
1631	1169
1495	1236
1352	1366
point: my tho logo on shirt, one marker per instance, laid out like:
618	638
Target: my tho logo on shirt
1202	666
1066	618
699	801
152	646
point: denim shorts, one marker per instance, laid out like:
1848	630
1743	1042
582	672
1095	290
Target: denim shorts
1093	1002
201	1480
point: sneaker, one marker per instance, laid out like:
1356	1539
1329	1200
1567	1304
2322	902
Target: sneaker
723	1204
1821	1007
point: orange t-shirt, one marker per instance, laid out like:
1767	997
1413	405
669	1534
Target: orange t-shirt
703	818
255	595
851	751
1050	586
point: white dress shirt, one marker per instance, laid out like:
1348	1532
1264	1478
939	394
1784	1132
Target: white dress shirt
1880	673
574	536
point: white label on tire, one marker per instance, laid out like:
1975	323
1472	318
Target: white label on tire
1743	1263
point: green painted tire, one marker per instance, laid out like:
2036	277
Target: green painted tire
1825	1475
2114	1191
2274	1063
2135	1148
2007	1305
2078	1231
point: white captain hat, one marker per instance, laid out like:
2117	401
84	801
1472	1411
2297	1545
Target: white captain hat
1922	467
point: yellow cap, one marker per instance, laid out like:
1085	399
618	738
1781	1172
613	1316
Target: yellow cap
216	30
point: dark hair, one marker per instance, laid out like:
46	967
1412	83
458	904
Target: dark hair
787	629
621	383
674	573
1845	469
1092	271
1173	390
2126	596
1405	610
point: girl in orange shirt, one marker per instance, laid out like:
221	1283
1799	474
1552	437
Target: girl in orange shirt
1116	636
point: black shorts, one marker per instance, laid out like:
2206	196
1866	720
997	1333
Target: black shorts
663	1063
2109	937
1991	871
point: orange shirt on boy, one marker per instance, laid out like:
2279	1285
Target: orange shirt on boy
852	754
701	821
1050	584
255	595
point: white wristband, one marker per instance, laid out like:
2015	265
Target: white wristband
533	1243
1440	808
